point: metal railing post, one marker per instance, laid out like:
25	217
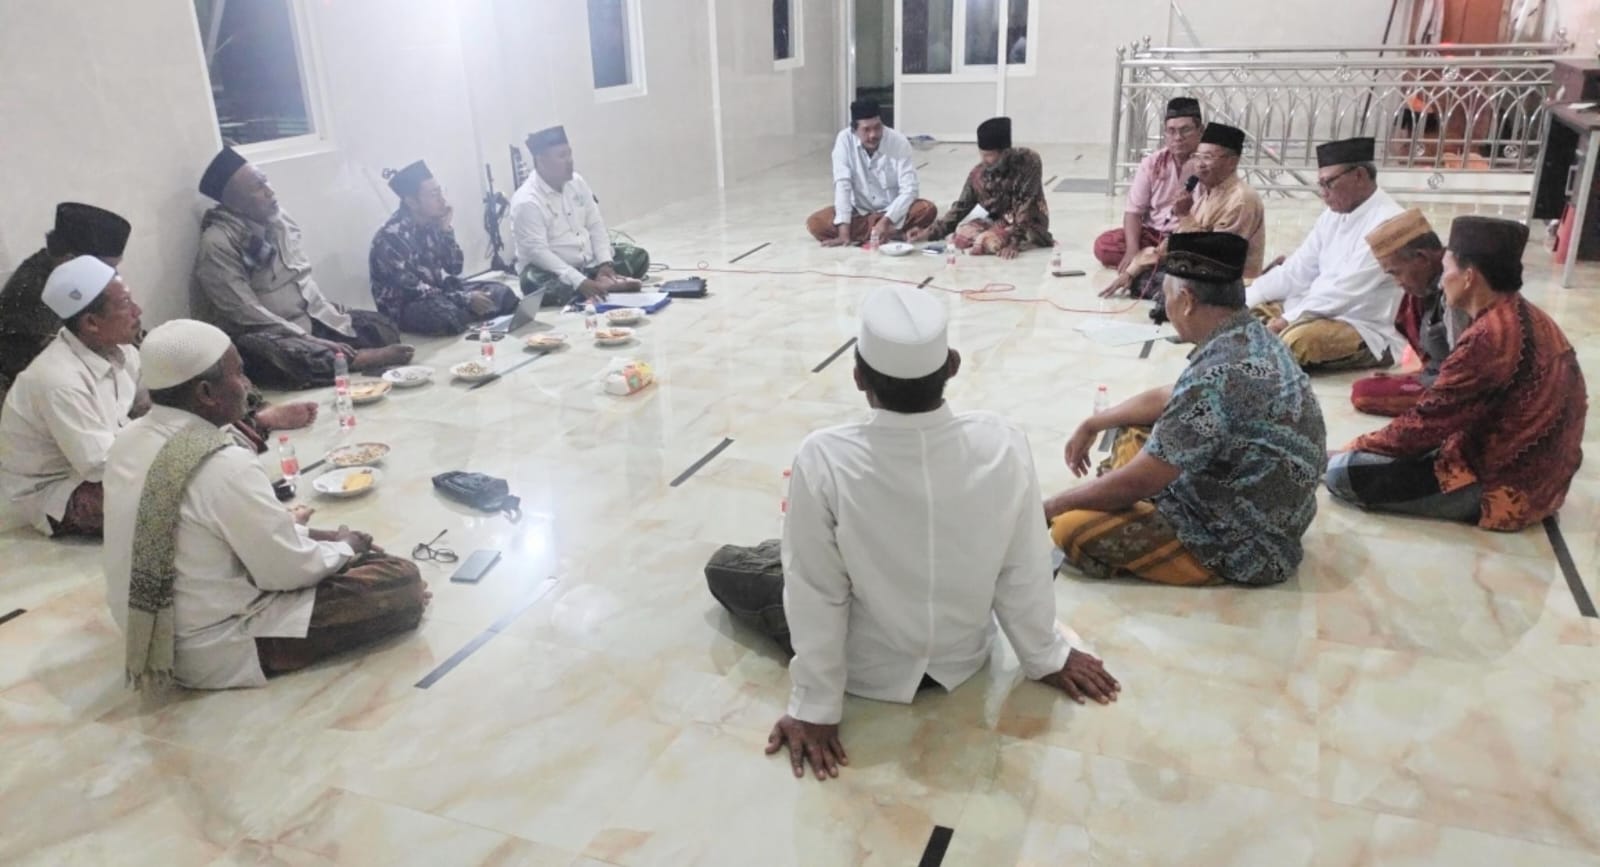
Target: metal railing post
1116	124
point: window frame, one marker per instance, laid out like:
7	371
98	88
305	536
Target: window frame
313	91
960	70
636	87
797	40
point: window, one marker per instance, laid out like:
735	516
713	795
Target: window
256	54
787	36
930	27
616	48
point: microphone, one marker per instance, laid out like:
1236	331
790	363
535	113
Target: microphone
1191	183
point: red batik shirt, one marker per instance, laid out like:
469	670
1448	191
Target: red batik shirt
1506	411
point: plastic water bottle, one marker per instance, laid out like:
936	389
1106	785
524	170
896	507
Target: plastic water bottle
873	239
783	502
343	406
486	346
950	256
1055	259
287	461
1102	400
591	318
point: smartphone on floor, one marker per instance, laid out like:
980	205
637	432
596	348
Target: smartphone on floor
472	570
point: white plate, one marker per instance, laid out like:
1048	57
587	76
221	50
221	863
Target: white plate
897	248
620	336
410	376
364	391
331	484
545	342
464	371
624	316
345	457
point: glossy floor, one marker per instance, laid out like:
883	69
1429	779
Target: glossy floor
1419	694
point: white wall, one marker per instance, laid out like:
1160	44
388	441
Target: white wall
772	117
101	104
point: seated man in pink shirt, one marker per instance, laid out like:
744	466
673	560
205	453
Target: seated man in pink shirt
1157	186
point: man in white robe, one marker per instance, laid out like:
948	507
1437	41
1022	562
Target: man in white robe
249	592
66	407
908	536
1331	301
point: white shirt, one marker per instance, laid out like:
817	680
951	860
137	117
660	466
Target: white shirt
1333	275
561	232
907	537
246	570
58	423
884	182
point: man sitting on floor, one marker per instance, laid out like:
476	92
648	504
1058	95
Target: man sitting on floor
1409	252
908	536
416	263
874	184
1009	186
252	279
563	247
1158	183
1222	202
1225	484
65	409
27	324
1498	436
1329	301
212	580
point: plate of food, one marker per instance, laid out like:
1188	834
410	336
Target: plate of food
410	376
358	455
897	248
612	336
472	371
369	390
351	482
624	316
548	342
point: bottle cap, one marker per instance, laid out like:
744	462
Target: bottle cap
283	438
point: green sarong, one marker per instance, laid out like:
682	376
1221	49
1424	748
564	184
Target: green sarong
627	260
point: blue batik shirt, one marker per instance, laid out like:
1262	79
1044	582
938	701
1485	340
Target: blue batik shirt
1246	434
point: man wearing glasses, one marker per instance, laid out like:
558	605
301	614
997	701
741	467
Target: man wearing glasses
1330	301
1157	187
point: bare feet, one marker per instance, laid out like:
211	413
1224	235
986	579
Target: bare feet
375	360
287	416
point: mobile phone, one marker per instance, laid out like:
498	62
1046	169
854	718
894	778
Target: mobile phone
472	570
1073	273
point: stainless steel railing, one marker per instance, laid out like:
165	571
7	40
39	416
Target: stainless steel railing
1449	120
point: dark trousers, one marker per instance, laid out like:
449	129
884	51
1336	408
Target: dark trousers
374	598
283	361
447	314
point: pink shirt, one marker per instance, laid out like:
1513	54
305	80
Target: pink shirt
1156	186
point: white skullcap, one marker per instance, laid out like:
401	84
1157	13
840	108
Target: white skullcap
904	332
175	352
74	285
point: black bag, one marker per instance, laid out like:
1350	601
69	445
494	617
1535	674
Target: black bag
479	491
687	287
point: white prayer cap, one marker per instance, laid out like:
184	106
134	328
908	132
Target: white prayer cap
74	285
175	352
904	332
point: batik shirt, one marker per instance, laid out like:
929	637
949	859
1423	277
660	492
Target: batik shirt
26	325
410	261
1246	434
1011	192
1507	412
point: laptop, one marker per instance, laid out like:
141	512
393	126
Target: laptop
527	311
